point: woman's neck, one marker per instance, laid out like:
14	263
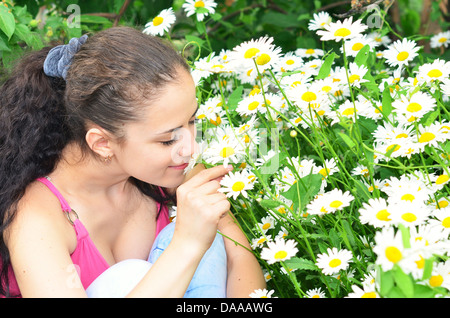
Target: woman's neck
84	174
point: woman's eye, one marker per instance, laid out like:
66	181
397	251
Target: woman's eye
168	143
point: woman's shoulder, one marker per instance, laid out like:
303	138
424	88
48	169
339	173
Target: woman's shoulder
39	213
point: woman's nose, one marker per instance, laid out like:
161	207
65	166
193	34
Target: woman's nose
188	144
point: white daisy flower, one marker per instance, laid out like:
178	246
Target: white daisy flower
261	293
319	21
401	52
437	70
329	202
431	135
441	221
389	248
334	260
440	39
315	293
378	39
342	30
250	105
440	275
279	250
356	74
409	214
234	184
364	292
260	241
266	224
260	51
376	212
416	106
309	52
200	8
161	23
353	46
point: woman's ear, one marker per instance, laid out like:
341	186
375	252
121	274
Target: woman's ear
99	142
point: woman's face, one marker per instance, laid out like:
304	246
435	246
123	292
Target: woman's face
158	147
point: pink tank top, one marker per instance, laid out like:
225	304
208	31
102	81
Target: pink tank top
88	261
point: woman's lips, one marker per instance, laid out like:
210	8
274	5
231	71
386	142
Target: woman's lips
180	167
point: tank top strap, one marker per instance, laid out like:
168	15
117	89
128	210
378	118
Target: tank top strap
64	205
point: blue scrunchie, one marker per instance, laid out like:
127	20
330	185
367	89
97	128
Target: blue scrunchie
60	57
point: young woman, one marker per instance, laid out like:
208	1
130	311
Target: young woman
92	147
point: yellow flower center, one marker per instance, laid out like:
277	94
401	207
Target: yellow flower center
442	40
393	254
326	88
443	178
402	135
409	217
253	105
436	280
442	204
343	32
290	62
263	59
199	4
420	263
353	78
226	152
348	112
309	96
238	186
280	254
413	107
369	295
157	21
446	222
336	204
251	53
426	137
434	73
395	146
335	262
383	215
408	197
357	46
402	56
309	51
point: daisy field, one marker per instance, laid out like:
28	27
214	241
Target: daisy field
341	156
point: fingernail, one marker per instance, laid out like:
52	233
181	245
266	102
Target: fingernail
230	167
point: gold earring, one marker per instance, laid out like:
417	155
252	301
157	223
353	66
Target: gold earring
107	159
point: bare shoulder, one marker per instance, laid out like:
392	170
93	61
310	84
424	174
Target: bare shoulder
40	240
39	212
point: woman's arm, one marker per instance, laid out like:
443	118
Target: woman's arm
244	272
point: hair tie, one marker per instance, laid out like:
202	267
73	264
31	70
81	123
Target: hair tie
60	57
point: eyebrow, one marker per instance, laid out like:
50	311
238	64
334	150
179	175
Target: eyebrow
173	129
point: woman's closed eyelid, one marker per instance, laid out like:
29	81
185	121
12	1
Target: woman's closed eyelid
172	141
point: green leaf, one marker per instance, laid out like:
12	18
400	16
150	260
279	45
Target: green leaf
85	18
404	282
301	192
301	263
386	101
269	204
326	66
7	21
386	280
362	55
347	140
235	98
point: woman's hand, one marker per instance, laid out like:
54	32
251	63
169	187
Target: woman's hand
200	207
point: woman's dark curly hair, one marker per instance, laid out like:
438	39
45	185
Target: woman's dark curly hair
39	115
